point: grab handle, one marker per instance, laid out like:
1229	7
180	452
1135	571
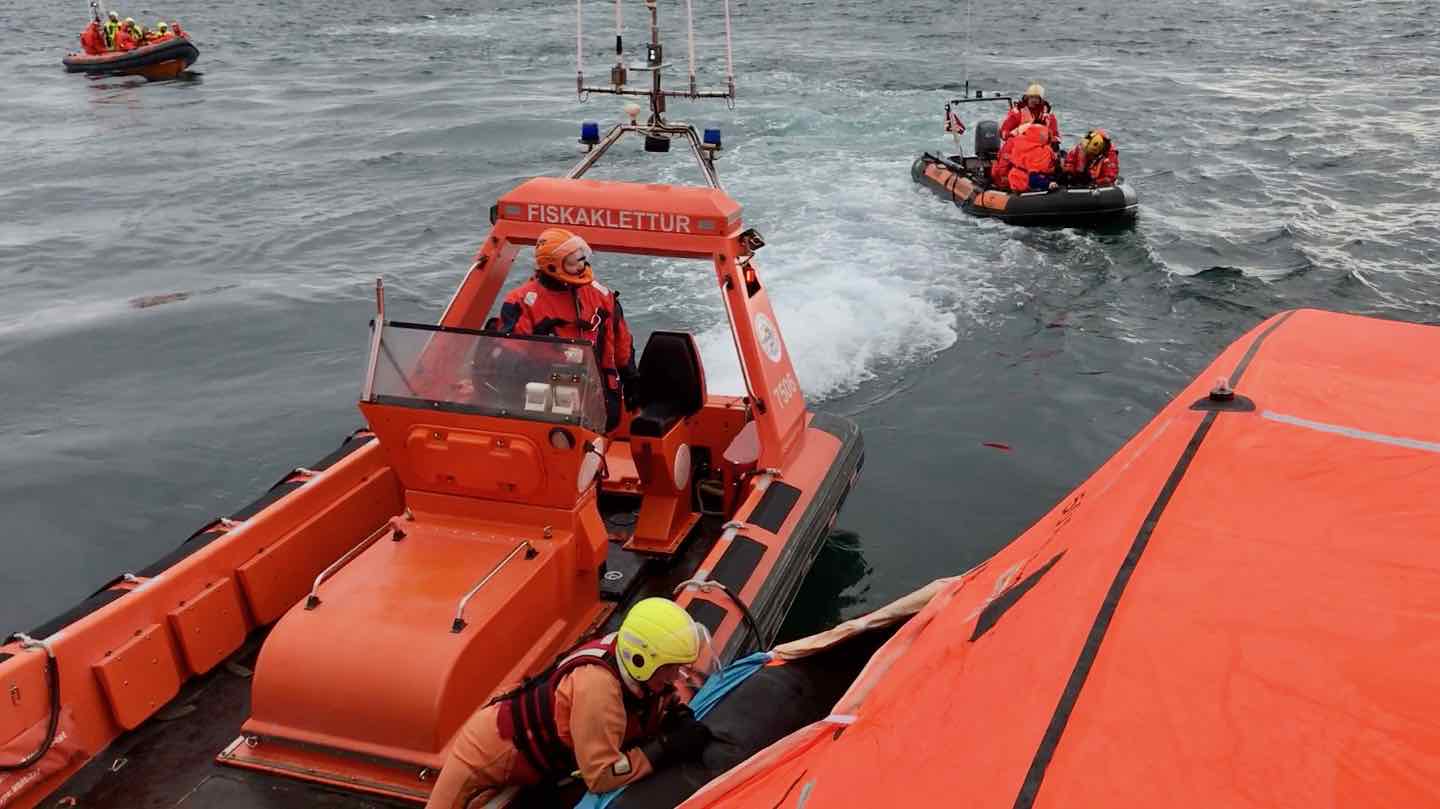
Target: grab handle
459	623
313	600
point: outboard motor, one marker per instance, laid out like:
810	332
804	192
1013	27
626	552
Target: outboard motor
987	140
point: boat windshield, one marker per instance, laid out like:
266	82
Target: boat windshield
458	370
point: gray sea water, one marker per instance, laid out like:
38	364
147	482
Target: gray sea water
186	267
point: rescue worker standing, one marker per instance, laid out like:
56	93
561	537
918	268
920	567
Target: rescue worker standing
1032	109
565	300
1094	161
92	40
112	31
600	711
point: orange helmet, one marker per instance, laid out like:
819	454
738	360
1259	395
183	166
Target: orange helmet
563	256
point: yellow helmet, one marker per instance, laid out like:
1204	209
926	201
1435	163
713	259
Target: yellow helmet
115	16
656	632
1097	142
1035	89
162	26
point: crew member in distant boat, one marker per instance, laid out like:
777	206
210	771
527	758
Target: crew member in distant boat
606	711
160	33
92	39
112	31
1094	161
565	300
1031	109
130	36
176	29
1033	159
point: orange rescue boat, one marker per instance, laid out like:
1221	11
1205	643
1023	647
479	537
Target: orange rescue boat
477	526
158	61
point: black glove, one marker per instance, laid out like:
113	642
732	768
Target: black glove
630	387
675	717
684	740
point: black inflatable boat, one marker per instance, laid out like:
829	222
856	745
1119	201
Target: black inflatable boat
965	180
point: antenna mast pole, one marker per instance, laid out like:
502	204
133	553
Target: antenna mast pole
657	131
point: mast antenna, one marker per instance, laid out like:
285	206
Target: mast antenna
657	130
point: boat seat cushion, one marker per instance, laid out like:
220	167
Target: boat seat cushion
672	383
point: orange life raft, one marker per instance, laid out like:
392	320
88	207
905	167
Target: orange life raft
1238	609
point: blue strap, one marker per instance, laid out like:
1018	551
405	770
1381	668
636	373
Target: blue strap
715	689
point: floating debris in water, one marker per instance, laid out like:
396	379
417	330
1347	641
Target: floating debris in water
147	301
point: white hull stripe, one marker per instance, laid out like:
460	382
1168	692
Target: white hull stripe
1351	432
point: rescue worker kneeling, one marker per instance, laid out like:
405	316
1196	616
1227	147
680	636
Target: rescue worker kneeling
605	711
565	300
1032	159
1094	161
112	31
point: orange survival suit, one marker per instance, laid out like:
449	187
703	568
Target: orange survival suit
125	40
579	716
1031	156
546	307
92	39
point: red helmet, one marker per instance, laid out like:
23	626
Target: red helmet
563	256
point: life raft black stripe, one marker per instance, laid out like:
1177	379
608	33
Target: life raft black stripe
1034	778
1254	347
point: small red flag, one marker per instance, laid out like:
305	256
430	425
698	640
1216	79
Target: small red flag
953	122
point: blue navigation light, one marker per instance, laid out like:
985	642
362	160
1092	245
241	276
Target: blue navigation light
590	133
712	138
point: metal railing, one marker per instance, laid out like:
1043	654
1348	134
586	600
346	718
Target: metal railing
313	600
458	625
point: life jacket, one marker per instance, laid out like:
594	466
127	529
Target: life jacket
112	32
92	41
591	313
527	714
126	41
